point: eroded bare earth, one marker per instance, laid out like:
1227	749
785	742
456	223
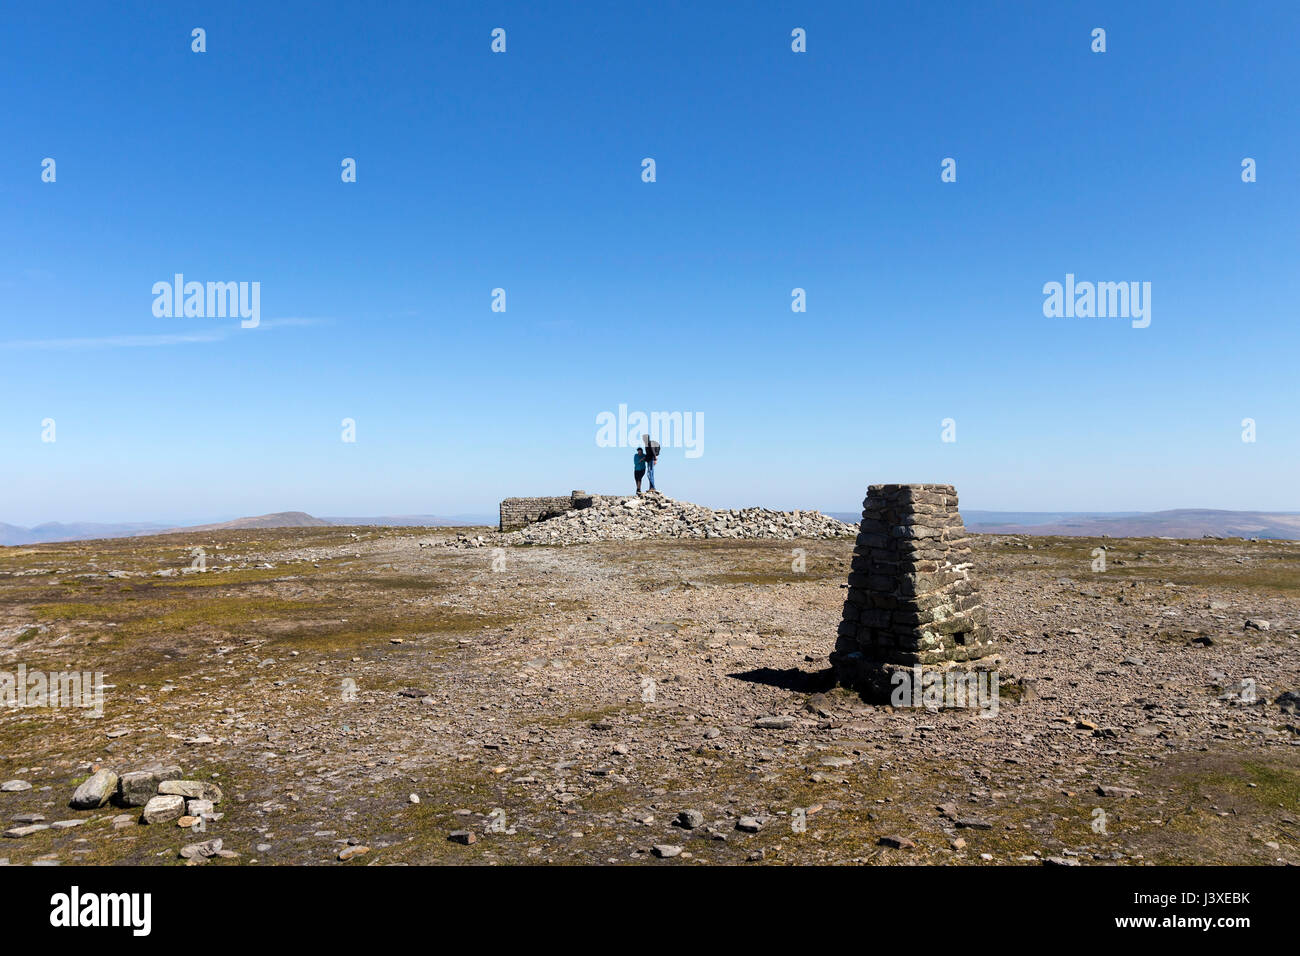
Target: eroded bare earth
529	692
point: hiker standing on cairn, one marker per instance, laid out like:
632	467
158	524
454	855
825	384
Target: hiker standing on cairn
651	456
638	468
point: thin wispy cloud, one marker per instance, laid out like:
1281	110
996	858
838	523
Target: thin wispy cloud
217	334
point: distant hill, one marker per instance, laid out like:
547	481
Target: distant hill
417	521
1175	523
278	519
75	531
84	530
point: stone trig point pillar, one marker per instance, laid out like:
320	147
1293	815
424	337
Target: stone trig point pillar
912	601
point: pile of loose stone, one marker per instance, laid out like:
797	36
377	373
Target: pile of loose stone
658	516
163	797
157	789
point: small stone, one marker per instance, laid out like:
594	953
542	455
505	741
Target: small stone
957	844
199	808
67	824
1253	625
96	791
414	798
1121	792
896	842
690	819
1059	861
665	851
466	837
749	824
973	823
163	809
774	723
14	786
348	853
206	849
186	822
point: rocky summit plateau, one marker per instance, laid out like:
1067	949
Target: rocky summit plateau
643	680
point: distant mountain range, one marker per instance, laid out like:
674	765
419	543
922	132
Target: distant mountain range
85	530
75	531
1176	523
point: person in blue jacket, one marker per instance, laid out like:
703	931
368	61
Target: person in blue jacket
638	468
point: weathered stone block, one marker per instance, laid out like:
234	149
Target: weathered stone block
136	786
96	791
163	809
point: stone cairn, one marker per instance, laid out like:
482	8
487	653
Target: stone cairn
912	601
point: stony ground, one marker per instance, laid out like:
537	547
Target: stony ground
570	706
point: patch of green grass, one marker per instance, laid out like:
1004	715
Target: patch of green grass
144	618
347	635
218	578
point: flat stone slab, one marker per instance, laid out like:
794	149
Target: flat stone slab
16	833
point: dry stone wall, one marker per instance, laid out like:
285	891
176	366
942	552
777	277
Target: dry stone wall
518	513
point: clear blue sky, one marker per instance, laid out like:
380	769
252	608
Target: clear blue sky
522	170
